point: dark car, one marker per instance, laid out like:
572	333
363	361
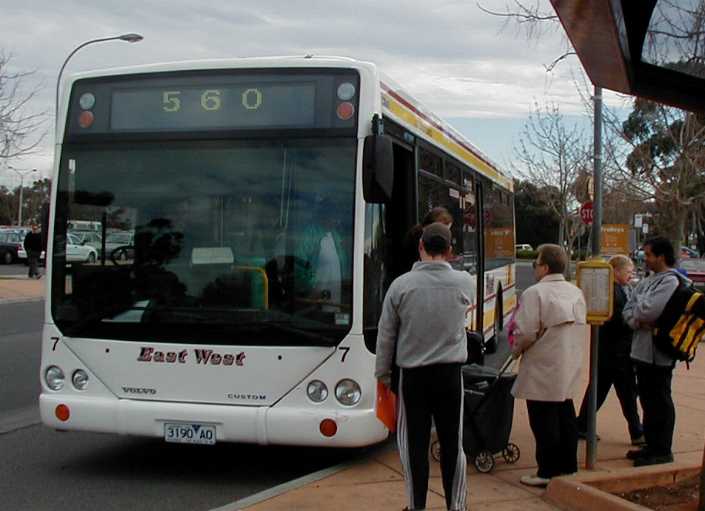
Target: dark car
10	245
687	252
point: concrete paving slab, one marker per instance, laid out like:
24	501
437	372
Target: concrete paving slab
371	472
319	497
533	504
485	488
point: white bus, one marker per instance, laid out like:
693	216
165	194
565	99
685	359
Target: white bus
269	200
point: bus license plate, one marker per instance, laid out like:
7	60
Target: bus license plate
182	433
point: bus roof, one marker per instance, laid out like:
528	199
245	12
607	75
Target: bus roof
410	113
302	61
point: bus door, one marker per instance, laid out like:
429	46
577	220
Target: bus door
474	227
400	216
386	238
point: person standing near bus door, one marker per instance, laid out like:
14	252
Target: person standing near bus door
614	364
423	323
33	247
549	334
411	242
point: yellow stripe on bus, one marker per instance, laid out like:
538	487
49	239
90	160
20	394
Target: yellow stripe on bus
442	139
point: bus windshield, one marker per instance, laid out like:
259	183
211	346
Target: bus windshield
217	242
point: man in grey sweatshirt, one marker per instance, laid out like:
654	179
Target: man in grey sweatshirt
423	325
654	368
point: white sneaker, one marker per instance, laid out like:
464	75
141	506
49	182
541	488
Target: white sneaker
535	481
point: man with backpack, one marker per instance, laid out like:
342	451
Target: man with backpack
654	365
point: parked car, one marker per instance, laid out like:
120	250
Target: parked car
10	245
120	240
89	238
78	251
687	252
523	247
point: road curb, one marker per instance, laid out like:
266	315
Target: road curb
20	419
8	301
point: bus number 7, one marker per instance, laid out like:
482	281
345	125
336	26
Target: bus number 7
345	350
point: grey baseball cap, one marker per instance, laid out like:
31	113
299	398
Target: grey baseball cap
437	235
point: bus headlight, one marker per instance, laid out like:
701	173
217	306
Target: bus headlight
54	378
317	391
348	392
79	379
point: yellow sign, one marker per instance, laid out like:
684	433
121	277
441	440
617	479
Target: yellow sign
499	242
615	239
596	280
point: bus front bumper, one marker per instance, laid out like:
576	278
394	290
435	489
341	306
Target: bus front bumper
245	424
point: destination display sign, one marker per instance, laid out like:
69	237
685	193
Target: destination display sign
249	105
207	101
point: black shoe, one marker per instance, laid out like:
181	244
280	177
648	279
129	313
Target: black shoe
636	454
653	460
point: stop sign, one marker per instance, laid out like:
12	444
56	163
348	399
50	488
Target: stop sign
586	213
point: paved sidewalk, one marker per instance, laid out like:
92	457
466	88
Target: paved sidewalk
377	484
15	288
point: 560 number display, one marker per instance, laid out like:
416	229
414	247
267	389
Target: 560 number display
211	100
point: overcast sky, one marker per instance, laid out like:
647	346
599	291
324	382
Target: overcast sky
449	54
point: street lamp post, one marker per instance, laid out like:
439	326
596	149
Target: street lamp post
130	38
22	175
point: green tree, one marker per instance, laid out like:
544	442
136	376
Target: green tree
536	223
666	160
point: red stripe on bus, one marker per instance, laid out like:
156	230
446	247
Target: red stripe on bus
435	124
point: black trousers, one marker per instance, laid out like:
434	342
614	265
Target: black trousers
436	392
617	370
659	412
556	432
33	262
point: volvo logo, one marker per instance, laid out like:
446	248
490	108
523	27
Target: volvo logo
139	390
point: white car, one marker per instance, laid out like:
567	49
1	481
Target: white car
77	251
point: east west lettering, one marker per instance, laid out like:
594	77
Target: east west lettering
202	356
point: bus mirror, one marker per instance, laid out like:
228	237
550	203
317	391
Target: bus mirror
377	169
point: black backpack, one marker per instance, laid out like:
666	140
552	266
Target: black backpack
681	326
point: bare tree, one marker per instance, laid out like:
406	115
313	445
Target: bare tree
551	154
21	130
533	20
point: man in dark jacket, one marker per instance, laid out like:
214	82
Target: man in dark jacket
614	364
33	247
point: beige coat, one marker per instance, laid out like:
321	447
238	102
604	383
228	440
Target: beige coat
550	335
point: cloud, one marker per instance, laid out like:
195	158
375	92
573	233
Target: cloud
452	56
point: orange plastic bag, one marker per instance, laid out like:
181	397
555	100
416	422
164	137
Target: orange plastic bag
386	407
